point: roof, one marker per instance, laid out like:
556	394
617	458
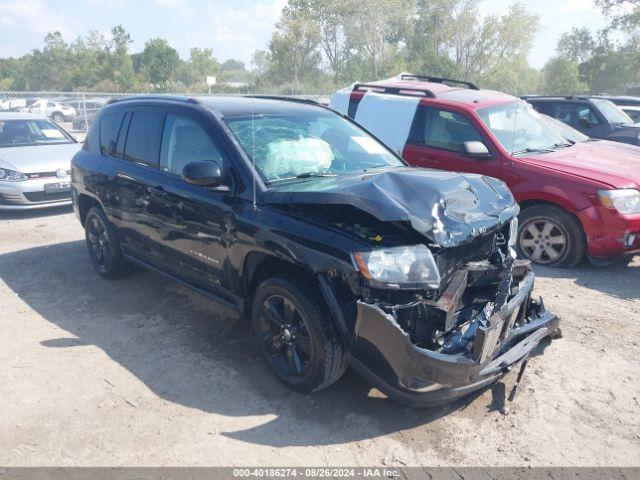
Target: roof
22	116
231	105
479	98
237	106
558	98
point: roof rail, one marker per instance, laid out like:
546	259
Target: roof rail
393	90
446	81
284	98
153	97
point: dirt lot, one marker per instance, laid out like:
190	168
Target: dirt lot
144	372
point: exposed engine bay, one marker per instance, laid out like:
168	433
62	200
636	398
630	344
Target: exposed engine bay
439	303
478	278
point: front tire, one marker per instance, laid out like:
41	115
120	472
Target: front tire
550	236
296	335
103	246
57	117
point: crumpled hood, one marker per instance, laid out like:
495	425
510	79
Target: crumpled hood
615	165
39	158
448	208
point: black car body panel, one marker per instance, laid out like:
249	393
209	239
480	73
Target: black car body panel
221	241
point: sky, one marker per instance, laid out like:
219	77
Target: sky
233	29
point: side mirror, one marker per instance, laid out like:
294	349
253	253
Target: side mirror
203	173
475	149
585	123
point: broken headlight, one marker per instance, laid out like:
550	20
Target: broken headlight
395	267
624	200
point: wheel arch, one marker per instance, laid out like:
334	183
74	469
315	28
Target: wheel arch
86	203
527	204
259	266
537	202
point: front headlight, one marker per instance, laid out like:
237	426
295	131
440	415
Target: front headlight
397	267
11	175
624	200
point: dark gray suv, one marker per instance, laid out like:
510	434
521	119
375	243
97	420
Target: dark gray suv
593	116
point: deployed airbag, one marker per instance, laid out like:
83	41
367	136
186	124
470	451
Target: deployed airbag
292	157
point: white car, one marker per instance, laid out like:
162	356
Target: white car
56	111
35	162
12	104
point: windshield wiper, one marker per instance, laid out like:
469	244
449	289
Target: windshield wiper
315	174
532	150
301	176
568	143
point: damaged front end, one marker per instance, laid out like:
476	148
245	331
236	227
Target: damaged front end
440	305
425	348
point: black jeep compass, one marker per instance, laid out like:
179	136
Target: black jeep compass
338	252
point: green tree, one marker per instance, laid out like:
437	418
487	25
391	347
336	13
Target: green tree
49	68
118	65
561	77
624	14
159	63
372	26
201	63
577	45
294	55
481	48
331	17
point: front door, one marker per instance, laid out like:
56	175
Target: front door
192	222
436	140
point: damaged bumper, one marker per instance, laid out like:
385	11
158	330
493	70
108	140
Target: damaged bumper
384	354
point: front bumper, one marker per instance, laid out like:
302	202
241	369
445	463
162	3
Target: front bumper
31	194
384	354
610	234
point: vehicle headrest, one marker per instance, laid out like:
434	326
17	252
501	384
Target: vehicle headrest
192	138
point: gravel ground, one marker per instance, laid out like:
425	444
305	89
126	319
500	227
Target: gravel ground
144	372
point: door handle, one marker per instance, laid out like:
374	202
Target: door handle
159	191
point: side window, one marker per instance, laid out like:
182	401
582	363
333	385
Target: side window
544	107
109	128
572	113
185	141
591	115
143	138
443	129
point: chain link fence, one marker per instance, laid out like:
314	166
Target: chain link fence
74	111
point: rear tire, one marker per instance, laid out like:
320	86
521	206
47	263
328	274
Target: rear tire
103	246
296	335
550	236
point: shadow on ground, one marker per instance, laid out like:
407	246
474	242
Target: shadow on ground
190	350
621	280
36	213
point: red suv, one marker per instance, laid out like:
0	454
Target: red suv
576	198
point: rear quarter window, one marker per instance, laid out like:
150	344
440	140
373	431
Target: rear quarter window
109	128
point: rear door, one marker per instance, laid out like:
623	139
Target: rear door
436	139
133	173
